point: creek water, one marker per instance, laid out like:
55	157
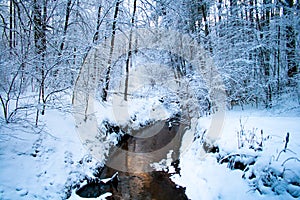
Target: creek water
132	159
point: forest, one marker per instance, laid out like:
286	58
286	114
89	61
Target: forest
217	80
254	45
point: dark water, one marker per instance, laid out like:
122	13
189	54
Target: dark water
143	186
137	180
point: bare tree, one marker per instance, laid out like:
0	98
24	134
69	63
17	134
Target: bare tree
66	25
290	39
112	43
40	20
129	53
99	21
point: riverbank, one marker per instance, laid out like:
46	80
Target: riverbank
211	178
46	165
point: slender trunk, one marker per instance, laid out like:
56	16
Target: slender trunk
40	20
251	11
278	59
291	40
15	25
38	110
220	10
74	55
278	53
66	25
43	73
265	53
4	108
204	13
96	36
37	36
112	43
11	24
129	54
257	16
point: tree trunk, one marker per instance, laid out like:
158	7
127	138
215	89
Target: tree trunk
66	25
44	27
129	54
290	40
220	10
96	36
251	11
11	13
112	42
278	51
39	20
266	53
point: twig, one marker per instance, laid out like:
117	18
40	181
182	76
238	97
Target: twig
291	158
284	150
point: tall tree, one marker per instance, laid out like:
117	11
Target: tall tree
39	19
129	53
290	38
11	24
96	35
66	25
112	43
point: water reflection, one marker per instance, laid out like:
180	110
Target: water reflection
132	160
138	180
136	152
154	185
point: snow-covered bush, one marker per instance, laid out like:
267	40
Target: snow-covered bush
275	176
238	161
266	173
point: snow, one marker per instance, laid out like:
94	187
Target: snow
102	197
135	111
36	165
205	178
47	163
106	180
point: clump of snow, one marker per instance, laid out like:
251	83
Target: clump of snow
165	164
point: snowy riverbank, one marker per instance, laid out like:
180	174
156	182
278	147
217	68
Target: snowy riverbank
206	178
44	165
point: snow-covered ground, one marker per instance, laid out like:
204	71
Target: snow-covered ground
45	164
35	164
206	178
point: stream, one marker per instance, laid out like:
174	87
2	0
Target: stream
130	165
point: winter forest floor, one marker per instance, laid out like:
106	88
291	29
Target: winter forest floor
45	164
